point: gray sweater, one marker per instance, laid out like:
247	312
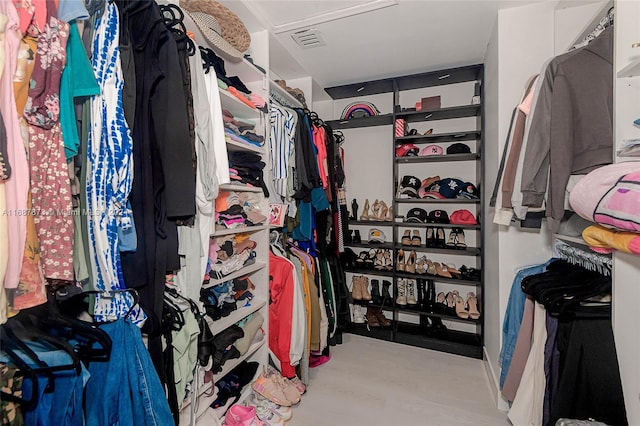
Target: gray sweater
572	131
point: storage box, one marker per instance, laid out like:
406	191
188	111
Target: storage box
432	102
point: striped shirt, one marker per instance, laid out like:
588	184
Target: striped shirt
281	147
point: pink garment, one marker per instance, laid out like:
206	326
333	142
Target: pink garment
33	15
257	100
525	106
317	361
17	186
610	195
319	142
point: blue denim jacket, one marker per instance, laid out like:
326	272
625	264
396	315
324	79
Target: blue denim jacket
513	317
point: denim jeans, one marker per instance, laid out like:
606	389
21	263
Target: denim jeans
63	406
126	390
513	317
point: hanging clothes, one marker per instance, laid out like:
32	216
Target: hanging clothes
109	172
17	186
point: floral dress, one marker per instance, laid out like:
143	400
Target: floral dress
50	185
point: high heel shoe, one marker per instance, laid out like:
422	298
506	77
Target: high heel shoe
410	266
450	303
387	265
389	217
441	303
431	268
461	312
460	240
400	265
354	210
365	210
378	262
452	270
453	239
431	238
472	305
416	241
383	211
375	210
440	241
442	270
406	238
421	265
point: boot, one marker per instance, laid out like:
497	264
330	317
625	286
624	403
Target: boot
348	237
385	291
356	288
421	295
356	237
372	319
411	292
357	314
354	210
430	296
375	292
365	288
382	320
402	292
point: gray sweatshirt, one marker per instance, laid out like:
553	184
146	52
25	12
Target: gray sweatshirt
572	131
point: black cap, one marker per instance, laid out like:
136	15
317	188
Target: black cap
458	148
416	215
438	216
410	185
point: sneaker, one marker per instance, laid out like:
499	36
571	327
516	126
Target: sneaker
289	389
268	417
259	401
240	415
270	388
298	384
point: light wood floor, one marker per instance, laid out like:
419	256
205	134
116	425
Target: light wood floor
376	383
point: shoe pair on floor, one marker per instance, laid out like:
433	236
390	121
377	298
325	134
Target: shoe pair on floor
278	389
258	411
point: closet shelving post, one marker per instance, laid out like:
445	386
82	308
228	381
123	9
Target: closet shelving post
459	120
258	272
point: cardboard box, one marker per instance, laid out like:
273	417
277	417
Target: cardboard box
432	102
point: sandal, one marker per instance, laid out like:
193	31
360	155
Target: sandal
431	238
472	305
375	210
406	238
386	261
431	268
453	239
389	217
441	270
400	266
410	266
460	240
365	210
383	211
421	265
452	270
416	241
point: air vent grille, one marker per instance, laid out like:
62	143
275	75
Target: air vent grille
308	39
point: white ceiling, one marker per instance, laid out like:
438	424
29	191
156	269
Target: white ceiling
411	36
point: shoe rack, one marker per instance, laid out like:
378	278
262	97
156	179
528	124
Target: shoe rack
457	327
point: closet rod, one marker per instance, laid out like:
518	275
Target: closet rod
600	21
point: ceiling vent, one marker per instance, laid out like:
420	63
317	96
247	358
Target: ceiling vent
308	38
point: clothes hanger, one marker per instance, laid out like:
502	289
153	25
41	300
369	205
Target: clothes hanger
169	12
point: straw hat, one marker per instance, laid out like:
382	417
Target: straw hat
220	26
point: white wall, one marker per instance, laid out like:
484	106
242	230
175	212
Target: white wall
491	155
626	291
524	39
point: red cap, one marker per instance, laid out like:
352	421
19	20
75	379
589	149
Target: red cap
463	217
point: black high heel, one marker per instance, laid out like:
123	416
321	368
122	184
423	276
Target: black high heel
440	238
431	238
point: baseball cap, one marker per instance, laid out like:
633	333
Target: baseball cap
407	150
468	190
376	236
458	148
463	217
409	186
446	188
431	150
438	216
416	214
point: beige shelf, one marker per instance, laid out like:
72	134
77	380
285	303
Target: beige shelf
233	363
239	188
631	70
220	232
236	107
237	315
242	146
240	272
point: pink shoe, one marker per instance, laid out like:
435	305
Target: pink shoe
268	387
240	415
289	389
298	384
